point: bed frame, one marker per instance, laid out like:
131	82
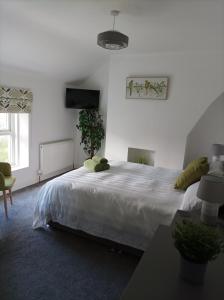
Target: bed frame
113	246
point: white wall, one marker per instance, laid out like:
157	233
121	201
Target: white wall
196	80
49	120
208	130
97	81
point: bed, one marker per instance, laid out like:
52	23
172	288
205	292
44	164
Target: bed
124	204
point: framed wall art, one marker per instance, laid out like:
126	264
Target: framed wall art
154	88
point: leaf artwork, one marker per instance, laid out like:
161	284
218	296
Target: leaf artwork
15	100
149	88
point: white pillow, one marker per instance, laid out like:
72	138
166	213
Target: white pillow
190	199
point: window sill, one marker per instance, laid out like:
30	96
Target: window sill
16	168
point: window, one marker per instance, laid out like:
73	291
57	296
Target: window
14	133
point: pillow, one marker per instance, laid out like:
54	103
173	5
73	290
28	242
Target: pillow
192	173
190	199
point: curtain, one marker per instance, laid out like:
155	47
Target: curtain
15	100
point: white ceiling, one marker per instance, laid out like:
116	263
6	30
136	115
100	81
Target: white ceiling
58	37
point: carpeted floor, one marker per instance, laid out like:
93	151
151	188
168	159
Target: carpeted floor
52	264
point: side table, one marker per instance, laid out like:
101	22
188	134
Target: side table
157	274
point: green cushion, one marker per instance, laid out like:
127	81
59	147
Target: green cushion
100	159
5	168
8	182
192	173
93	166
102	167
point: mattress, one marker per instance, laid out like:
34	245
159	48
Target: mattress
125	204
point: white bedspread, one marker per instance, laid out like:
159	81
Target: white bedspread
125	204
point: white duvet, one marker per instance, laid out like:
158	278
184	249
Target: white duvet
125	204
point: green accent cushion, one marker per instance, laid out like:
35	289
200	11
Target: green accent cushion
100	159
93	166
5	168
2	181
192	173
6	182
9	181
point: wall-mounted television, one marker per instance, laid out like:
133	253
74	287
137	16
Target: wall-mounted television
82	99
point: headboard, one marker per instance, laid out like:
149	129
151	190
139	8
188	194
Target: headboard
207	131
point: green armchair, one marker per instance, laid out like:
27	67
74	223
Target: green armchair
6	183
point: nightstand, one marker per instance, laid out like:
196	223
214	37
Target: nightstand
157	274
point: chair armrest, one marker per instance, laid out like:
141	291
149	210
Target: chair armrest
2	180
5	168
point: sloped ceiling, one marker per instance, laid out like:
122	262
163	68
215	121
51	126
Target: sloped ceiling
58	37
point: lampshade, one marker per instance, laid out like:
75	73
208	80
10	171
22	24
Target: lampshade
217	149
211	189
112	40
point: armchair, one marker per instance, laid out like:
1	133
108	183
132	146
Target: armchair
6	183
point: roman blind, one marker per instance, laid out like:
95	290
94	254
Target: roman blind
15	100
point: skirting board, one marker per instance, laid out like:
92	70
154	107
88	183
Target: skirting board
56	173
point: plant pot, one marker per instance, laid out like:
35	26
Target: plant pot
192	272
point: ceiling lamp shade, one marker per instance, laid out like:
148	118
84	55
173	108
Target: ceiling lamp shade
112	39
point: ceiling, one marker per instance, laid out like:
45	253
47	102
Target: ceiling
58	37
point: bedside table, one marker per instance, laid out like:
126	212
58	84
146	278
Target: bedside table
157	274
194	216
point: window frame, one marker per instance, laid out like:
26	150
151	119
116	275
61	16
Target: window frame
12	132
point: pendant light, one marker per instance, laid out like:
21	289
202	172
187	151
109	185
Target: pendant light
112	39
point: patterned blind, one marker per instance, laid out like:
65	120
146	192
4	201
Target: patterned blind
15	100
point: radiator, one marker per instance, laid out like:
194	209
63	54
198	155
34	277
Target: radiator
56	157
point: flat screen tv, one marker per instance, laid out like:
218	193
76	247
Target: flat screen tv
82	99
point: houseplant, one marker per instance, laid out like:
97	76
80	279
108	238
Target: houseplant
198	244
92	132
142	160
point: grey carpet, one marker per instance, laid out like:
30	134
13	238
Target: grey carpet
52	264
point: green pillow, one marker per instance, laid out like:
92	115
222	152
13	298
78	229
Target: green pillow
192	173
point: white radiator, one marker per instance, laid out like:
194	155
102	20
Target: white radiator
56	158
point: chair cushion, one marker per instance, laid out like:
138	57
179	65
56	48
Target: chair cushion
9	181
5	168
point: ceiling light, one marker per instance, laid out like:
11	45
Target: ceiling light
112	39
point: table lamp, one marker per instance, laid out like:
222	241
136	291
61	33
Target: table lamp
217	165
211	191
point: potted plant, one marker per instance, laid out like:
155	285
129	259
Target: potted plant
92	131
142	160
198	244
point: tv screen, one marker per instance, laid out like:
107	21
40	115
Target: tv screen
82	99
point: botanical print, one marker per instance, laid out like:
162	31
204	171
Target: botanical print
15	100
146	88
